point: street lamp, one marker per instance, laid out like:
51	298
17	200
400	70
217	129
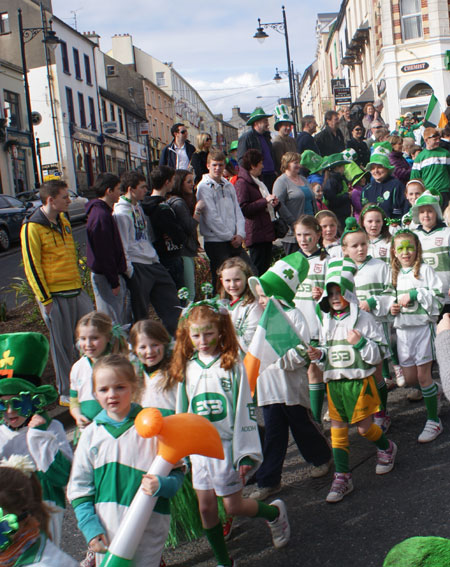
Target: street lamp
261	35
50	39
296	109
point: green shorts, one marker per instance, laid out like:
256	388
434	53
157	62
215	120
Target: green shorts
350	401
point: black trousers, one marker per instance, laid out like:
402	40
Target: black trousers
152	283
261	256
312	444
218	252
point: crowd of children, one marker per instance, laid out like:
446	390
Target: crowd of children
364	302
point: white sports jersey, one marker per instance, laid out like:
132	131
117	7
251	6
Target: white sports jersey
153	395
342	360
436	253
81	387
303	299
245	319
334	249
285	381
427	297
44	553
223	397
373	283
380	248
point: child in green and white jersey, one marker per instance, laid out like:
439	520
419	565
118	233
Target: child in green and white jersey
373	221
375	294
434	238
111	463
415	312
348	354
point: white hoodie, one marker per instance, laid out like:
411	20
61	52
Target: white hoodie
133	229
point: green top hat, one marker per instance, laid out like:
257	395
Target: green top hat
353	173
256	115
351	226
23	355
379	159
282	115
283	278
340	271
234	145
427	198
311	161
333	161
383	148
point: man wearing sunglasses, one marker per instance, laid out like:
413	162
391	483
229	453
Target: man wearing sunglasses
432	166
179	153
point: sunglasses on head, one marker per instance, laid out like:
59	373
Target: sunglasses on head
24	403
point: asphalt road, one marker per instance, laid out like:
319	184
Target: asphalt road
357	532
11	265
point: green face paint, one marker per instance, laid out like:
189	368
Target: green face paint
213	342
405	246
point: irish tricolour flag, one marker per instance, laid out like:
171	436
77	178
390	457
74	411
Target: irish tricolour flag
433	115
274	336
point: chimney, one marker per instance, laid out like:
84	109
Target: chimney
94	37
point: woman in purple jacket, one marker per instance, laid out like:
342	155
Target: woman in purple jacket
258	207
402	169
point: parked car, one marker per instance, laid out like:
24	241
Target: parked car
12	213
77	207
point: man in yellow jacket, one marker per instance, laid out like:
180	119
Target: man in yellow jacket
51	267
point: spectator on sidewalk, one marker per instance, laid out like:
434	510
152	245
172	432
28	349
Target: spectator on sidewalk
330	140
305	140
148	280
105	256
283	141
179	152
51	267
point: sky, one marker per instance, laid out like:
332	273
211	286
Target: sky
212	47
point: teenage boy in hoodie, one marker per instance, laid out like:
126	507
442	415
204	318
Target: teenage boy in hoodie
222	223
148	280
51	267
105	256
169	235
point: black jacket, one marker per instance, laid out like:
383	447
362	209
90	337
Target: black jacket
362	149
169	155
169	235
338	198
306	142
250	141
329	143
198	163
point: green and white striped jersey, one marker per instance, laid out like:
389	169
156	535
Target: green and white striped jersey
373	283
436	253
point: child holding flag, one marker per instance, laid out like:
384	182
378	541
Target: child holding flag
282	387
348	356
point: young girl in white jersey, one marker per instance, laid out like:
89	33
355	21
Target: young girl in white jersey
150	343
213	383
96	336
375	294
111	463
330	228
309	238
244	310
419	300
373	221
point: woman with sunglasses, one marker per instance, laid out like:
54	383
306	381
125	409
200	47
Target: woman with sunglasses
26	429
358	144
198	161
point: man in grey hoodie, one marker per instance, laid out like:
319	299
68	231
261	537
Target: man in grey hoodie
148	280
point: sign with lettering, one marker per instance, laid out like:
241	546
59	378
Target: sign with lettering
415	67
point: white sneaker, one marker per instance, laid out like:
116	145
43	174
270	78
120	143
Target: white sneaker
321	470
341	486
386	459
384	421
399	378
280	528
263	492
431	430
64	401
326	417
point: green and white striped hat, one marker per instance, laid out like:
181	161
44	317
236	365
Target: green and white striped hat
282	279
340	271
382	148
427	198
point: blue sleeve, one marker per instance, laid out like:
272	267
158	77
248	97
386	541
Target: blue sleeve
169	485
88	521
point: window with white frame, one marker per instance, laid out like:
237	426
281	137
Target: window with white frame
411	17
4	22
160	80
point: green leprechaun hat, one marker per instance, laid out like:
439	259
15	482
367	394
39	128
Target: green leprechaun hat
351	225
234	145
283	278
282	115
379	159
311	161
353	173
333	160
23	355
382	148
340	271
256	115
427	199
